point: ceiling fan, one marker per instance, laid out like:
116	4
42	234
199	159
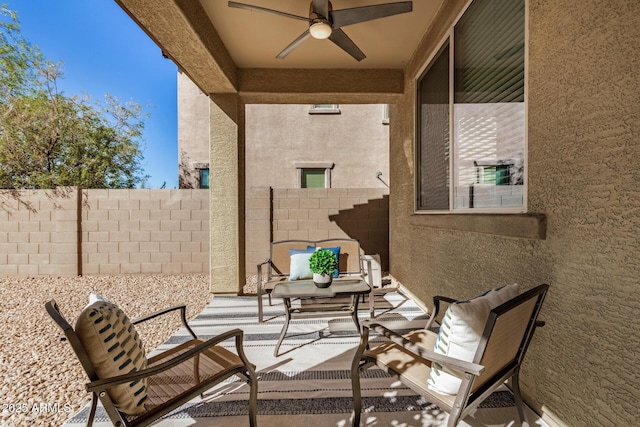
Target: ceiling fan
324	22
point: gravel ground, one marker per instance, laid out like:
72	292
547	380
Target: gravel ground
42	381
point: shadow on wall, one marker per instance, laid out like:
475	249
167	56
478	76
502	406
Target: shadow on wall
187	174
368	223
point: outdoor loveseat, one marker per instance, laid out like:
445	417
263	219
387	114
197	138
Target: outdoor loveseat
278	268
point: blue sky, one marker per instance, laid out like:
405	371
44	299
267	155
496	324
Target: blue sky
104	51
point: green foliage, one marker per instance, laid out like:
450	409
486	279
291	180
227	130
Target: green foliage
48	139
323	261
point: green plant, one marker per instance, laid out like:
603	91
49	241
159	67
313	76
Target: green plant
323	261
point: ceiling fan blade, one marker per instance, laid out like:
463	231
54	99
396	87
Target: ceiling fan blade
321	7
287	50
264	9
345	43
355	15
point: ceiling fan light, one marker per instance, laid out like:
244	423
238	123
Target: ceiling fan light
320	30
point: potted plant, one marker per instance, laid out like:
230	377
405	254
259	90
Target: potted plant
323	263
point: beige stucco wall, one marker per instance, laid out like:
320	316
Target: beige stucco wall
584	175
356	141
69	231
193	132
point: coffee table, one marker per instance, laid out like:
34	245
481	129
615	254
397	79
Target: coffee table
341	286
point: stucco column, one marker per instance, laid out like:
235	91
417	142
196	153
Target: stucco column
226	186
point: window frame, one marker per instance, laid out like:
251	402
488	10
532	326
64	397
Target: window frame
201	172
324	109
448	37
301	167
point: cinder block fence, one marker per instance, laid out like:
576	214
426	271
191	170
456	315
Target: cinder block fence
70	231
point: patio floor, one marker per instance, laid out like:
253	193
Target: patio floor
309	382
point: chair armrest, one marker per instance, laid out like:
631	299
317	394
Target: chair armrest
102	384
472	368
259	271
436	308
183	317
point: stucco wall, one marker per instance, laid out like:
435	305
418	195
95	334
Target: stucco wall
584	173
193	132
279	136
69	231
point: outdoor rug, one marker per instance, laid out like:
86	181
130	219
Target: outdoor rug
309	382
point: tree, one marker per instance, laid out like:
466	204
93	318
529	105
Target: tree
48	139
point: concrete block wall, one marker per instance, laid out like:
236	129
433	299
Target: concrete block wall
38	232
145	232
71	231
315	214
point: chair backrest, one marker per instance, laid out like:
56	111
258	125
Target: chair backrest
72	337
350	254
507	334
350	261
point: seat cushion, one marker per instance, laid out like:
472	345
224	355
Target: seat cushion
460	334
299	267
114	348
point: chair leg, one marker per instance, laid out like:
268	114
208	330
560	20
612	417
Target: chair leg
92	412
260	313
253	397
518	398
357	398
355	377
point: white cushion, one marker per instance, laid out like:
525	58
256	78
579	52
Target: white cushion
114	348
299	268
460	333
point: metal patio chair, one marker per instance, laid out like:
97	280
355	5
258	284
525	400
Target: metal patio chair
502	347
172	377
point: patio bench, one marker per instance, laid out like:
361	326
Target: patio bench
276	269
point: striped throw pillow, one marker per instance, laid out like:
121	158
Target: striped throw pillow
460	333
114	348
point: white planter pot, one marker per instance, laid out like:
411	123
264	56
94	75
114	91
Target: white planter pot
322	280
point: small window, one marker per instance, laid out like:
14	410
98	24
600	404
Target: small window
314	174
385	114
324	109
313	178
203	178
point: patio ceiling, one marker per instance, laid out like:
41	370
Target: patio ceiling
228	50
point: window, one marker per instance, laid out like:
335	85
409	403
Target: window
203	178
385	114
313	178
314	174
324	109
471	134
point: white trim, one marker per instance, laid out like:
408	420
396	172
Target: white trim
327	166
385	114
315	109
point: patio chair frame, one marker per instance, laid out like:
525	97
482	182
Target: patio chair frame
488	371
193	348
